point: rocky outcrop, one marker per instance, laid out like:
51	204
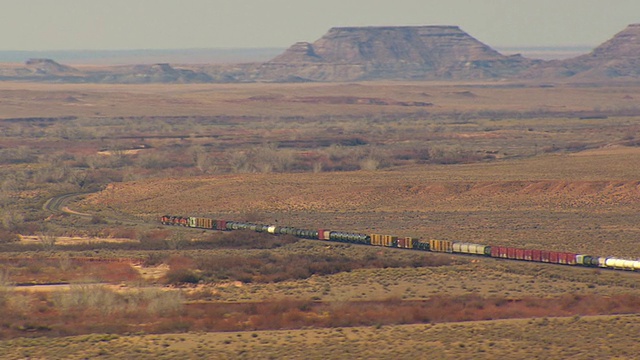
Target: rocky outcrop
299	52
617	58
157	73
370	53
42	70
49	67
394	52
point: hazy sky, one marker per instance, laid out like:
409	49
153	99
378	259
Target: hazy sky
169	24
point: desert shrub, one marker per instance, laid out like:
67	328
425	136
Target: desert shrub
7	236
421	155
266	159
88	297
97	219
182	276
19	155
121	232
103	176
268	267
11	220
164	302
157	161
154	239
453	155
246	239
369	164
155	258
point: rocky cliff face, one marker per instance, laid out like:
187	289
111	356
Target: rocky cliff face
41	70
156	73
370	53
49	67
397	52
617	58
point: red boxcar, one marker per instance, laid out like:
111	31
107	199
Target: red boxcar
554	257
495	251
221	224
511	253
401	242
528	255
504	252
544	256
567	258
562	258
536	255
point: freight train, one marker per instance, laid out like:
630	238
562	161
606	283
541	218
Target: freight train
441	246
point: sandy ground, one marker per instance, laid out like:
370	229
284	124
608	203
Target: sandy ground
69	240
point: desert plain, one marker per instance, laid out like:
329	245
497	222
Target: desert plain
517	163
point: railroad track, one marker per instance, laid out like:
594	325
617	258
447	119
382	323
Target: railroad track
58	204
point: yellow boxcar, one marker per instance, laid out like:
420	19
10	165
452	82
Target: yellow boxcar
441	245
409	241
205	223
376	239
389	240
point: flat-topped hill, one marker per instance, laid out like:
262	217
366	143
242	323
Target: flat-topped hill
617	58
369	53
393	52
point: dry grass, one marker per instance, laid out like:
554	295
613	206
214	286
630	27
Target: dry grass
612	337
529	172
585	204
283	99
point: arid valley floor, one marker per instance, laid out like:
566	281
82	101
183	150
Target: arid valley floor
528	164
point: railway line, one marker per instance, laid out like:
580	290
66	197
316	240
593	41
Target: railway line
410	243
58	204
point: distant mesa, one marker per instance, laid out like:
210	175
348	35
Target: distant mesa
617	58
298	52
393	52
49	67
370	53
156	73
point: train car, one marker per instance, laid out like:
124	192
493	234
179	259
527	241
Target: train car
419	245
433	245
587	260
179	221
621	264
441	246
469	248
536	255
568	258
528	255
544	256
203	223
407	242
376	239
602	262
389	241
323	234
221	225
